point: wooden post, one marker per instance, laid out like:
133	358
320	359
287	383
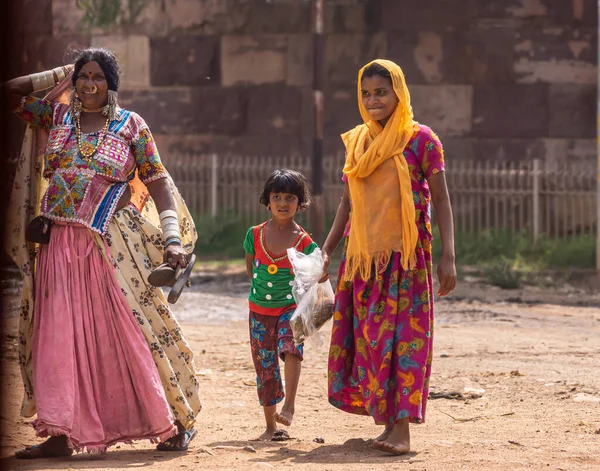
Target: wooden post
317	211
536	199
214	175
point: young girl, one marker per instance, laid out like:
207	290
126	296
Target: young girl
271	301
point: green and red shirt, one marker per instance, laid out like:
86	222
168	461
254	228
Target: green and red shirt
272	275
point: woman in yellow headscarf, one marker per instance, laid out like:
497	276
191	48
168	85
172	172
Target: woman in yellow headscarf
381	343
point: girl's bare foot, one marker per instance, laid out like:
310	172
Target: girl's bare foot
267	435
285	416
54	446
385	434
398	440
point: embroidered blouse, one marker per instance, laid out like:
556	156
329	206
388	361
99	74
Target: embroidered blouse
272	276
86	191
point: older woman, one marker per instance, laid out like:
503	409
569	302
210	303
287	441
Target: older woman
103	359
381	342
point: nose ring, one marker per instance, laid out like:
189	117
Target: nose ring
94	89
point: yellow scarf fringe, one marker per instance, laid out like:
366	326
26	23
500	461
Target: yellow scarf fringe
379	178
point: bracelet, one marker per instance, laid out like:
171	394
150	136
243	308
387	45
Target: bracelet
167	213
42	80
60	73
173	240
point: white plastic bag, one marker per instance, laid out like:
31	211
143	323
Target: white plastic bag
314	300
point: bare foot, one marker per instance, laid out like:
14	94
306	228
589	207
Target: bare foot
54	446
385	434
285	416
398	440
267	435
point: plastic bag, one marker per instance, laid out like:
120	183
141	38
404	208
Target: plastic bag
314	300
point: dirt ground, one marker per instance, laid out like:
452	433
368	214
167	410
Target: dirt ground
524	365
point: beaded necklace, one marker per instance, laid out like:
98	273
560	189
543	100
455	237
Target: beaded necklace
101	136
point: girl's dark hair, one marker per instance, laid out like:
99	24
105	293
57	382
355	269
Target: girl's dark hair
287	181
376	69
105	59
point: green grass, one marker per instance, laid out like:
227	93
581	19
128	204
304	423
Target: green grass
502	257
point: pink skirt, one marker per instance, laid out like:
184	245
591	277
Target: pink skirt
94	377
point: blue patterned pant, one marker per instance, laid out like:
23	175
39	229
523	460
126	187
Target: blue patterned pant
270	339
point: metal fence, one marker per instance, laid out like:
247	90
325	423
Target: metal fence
557	200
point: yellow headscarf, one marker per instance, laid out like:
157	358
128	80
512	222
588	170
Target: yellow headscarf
383	209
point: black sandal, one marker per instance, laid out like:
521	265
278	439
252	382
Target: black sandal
166	276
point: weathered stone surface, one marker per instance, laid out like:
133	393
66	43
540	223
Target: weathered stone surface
253	59
345	54
479	55
556	55
543	12
510	111
274	109
356	17
559	151
283	18
209	16
34	53
509	149
31	17
459	148
572	110
299	60
341	110
184	60
420	54
445	108
166	111
133	54
422	15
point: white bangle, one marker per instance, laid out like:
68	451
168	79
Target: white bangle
168	213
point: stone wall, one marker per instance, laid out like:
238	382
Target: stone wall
495	78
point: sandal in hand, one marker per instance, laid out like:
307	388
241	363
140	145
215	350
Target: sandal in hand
166	276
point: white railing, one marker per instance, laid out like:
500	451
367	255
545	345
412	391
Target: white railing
557	200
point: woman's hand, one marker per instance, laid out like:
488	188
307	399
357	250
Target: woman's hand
446	272
175	255
326	262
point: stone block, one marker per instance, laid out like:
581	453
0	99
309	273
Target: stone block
556	55
299	70
559	151
512	149
422	15
219	110
419	53
37	53
31	17
478	56
275	109
209	16
447	109
184	60
519	111
405	46
133	54
253	59
345	54
280	18
167	111
358	17
341	110
572	110
459	148
541	12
